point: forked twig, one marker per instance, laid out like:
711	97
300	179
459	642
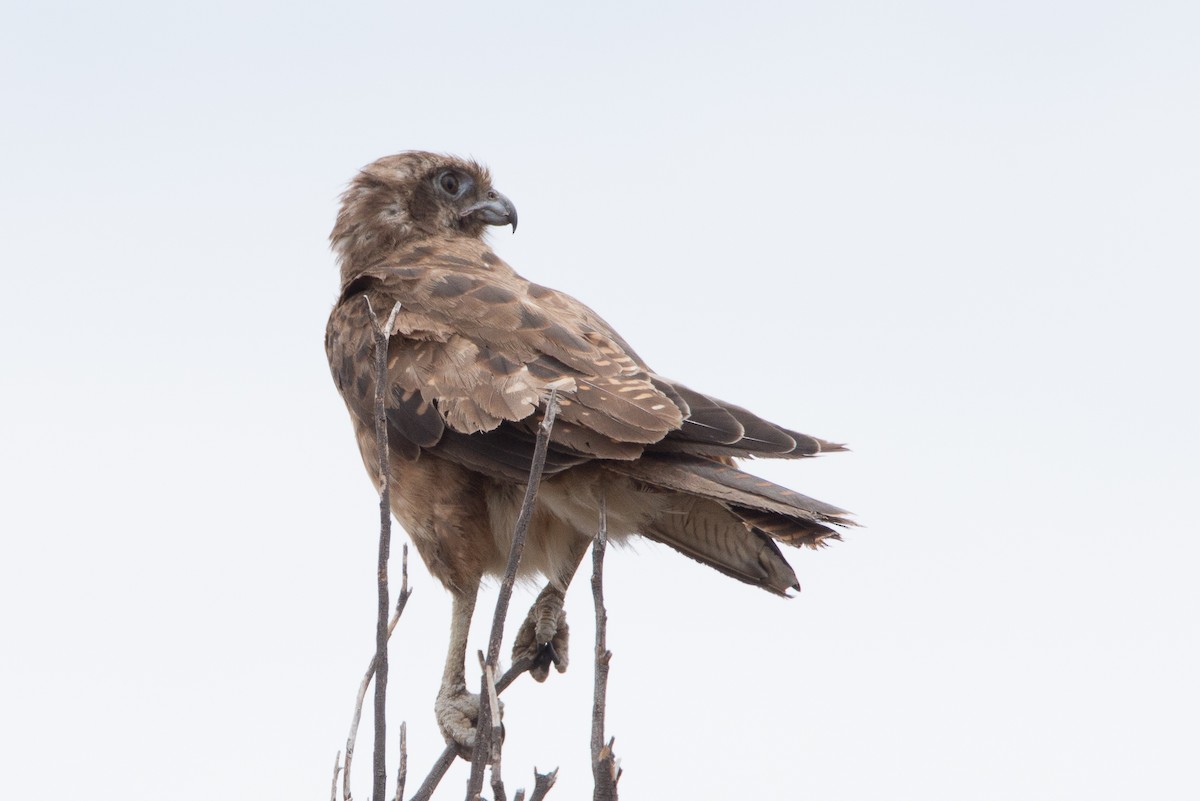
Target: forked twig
337	768
542	782
352	737
483	726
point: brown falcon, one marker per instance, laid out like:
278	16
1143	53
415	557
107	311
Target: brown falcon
475	351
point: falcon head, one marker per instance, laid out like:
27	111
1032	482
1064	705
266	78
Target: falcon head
416	195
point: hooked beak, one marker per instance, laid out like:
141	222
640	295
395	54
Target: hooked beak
495	209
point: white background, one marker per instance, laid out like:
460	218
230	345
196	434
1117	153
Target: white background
961	237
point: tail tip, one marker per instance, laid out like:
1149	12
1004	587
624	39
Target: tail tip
824	446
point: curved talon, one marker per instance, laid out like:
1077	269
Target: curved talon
543	653
540	669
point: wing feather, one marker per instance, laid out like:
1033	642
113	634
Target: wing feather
477	348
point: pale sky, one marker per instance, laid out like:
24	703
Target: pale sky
960	237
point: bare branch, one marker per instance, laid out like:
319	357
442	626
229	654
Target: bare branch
382	336
605	768
498	793
489	679
443	763
352	737
404	590
337	768
402	773
542	782
612	770
483	725
515	671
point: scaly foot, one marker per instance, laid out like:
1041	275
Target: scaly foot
457	714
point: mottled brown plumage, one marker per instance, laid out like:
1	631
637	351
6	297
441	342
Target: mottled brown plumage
475	351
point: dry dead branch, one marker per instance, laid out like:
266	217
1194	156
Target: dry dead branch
605	767
402	773
337	768
488	739
352	737
483	727
542	782
383	335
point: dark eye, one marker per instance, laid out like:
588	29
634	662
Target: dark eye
449	183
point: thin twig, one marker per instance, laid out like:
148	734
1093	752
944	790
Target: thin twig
489	679
443	763
382	336
514	672
337	768
483	725
605	768
352	737
402	774
489	683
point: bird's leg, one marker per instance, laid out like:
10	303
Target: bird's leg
458	710
544	636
